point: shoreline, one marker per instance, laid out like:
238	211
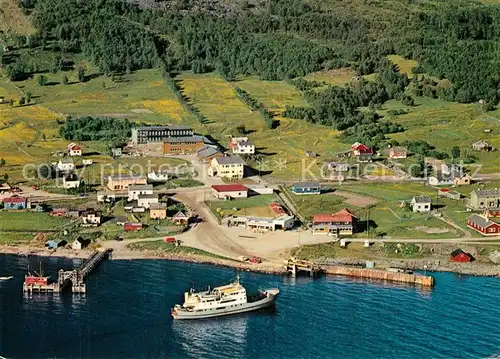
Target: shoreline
471	269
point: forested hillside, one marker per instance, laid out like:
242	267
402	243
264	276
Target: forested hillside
279	39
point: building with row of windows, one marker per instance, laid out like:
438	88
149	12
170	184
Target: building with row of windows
149	134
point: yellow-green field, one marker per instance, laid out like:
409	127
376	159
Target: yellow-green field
285	146
141	96
403	64
337	77
275	95
444	125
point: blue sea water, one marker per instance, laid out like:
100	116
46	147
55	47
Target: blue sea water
126	314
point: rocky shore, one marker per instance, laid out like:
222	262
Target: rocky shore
474	268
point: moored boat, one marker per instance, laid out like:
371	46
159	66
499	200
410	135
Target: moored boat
223	300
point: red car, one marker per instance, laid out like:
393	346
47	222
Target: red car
255	260
169	240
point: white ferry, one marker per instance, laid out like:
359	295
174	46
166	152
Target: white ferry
224	300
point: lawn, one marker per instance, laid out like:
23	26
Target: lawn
308	205
15	237
25	221
253	206
161	246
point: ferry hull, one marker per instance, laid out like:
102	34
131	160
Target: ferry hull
267	301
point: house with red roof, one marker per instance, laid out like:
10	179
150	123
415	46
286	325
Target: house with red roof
342	223
14	202
74	149
362	152
229	191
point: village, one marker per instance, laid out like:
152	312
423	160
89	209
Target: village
231	210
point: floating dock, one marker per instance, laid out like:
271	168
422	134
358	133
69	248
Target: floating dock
74	278
382	274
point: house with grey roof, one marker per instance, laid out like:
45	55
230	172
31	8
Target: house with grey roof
228	167
485	199
421	204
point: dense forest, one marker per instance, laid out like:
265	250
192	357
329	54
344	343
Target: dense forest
96	128
283	39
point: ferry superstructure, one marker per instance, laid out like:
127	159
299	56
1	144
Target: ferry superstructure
223	300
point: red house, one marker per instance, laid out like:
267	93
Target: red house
483	225
460	256
362	152
341	223
59	212
129	226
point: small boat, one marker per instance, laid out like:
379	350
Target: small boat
6	278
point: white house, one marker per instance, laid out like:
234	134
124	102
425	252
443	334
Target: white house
105	196
79	243
135	190
145	200
71	181
91	217
241	145
74	149
66	164
159	176
421	204
87	162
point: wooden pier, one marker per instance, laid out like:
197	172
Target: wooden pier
74	278
294	266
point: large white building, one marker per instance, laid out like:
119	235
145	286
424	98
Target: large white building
135	190
228	166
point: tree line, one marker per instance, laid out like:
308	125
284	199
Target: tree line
257	106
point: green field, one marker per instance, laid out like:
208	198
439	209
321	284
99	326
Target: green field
255	205
29	221
444	125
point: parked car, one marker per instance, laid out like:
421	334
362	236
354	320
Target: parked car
118	238
169	240
243	258
255	260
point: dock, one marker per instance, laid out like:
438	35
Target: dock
73	278
382	274
294	266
